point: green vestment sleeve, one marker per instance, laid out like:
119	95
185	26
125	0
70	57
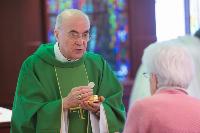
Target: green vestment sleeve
109	87
114	108
32	112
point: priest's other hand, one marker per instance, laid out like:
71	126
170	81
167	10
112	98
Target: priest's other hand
76	96
93	106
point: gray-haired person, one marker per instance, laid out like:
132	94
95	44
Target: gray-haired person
141	86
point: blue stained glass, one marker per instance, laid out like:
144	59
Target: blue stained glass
75	4
52	7
122	35
88	8
92	42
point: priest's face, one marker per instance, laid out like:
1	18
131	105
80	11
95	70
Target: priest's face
73	36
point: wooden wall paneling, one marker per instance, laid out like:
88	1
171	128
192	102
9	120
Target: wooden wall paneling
5	127
21	32
142	32
142	29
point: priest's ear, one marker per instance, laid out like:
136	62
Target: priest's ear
56	34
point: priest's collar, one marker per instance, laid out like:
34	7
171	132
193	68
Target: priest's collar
59	56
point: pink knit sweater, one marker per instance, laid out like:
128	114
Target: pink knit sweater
167	111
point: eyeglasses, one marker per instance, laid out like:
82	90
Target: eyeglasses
75	35
146	75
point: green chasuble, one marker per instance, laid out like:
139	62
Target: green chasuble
37	105
78	118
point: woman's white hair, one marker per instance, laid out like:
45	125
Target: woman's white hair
171	63
67	13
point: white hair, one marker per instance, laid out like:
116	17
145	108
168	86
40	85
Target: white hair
171	63
67	13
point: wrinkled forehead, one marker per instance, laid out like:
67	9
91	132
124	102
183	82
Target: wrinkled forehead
78	23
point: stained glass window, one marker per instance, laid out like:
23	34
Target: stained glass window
109	29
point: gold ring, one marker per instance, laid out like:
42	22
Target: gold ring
79	97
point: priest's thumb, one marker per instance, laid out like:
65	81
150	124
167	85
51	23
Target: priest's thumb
101	98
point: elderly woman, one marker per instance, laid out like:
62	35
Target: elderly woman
170	109
141	85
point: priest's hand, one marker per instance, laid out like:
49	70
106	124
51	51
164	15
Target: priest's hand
93	106
76	96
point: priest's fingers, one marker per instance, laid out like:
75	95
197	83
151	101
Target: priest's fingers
98	113
76	96
96	106
69	102
101	98
86	96
81	92
81	89
93	107
73	99
86	106
85	89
